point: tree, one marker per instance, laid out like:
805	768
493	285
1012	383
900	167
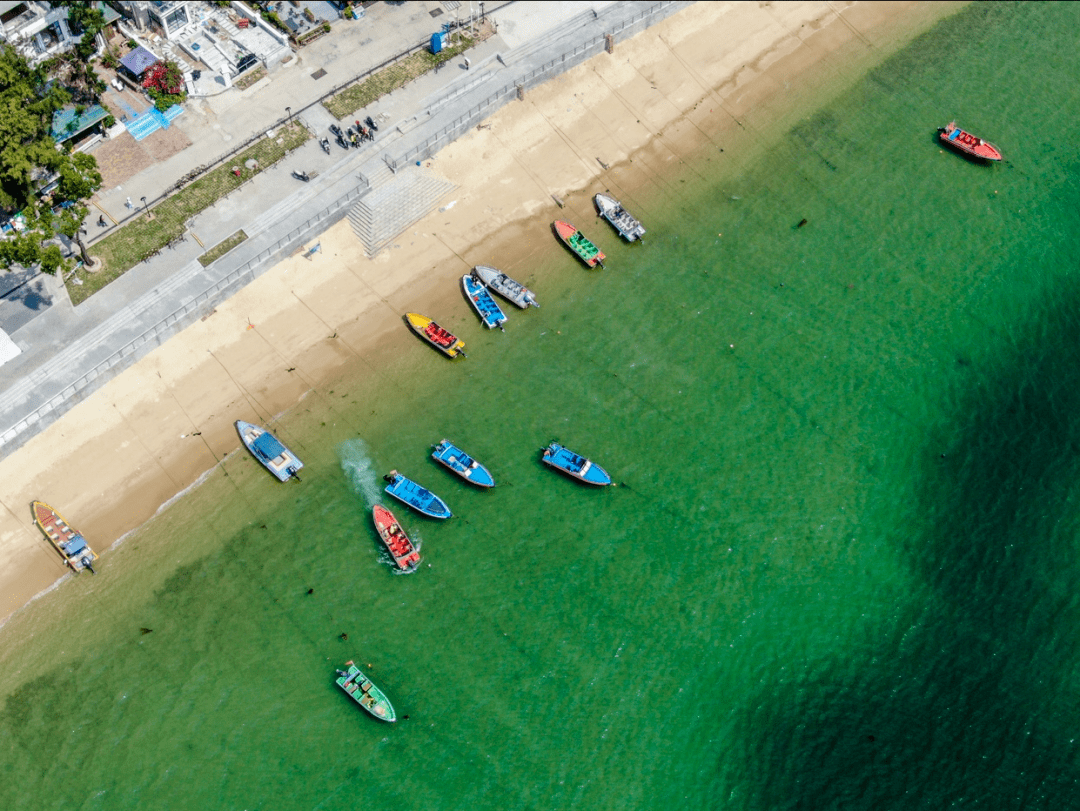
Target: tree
69	223
27	104
79	178
85	17
28	101
164	81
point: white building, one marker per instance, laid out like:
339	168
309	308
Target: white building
36	30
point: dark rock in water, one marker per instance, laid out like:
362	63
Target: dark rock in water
147	630
802	222
311	591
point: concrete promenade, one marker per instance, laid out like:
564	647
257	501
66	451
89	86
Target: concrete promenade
68	352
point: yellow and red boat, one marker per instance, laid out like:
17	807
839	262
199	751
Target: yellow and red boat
443	340
394	538
68	542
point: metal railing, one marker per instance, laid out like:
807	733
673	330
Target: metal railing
183	315
579	53
204	301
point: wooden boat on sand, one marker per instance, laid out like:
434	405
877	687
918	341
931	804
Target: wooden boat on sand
68	542
443	340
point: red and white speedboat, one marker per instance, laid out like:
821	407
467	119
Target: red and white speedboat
966	142
401	549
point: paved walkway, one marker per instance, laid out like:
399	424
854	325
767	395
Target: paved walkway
68	352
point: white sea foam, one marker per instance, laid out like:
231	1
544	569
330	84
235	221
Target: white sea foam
359	469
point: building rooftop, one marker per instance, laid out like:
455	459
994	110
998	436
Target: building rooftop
138	60
67	124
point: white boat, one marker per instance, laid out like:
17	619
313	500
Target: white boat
612	211
266	447
514	292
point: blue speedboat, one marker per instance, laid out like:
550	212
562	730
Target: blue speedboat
448	454
420	499
574	465
483	302
265	447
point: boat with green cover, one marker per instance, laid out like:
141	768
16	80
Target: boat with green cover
576	241
365	693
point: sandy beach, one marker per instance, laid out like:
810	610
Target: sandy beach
712	77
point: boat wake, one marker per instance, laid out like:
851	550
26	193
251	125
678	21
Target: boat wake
359	469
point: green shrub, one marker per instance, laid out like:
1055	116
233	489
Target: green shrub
51	259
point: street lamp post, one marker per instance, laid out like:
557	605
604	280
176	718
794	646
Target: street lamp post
288	112
144	207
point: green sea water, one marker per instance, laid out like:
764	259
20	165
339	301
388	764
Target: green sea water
840	571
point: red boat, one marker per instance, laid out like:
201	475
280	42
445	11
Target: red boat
966	142
576	241
397	542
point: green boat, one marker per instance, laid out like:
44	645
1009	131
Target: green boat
365	693
576	241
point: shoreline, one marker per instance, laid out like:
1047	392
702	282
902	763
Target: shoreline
159	429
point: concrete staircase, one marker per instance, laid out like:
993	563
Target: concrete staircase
394	203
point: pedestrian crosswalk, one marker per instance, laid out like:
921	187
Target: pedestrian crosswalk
150	121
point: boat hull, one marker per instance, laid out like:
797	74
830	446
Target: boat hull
574	465
456	460
282	463
397	543
967	143
413	495
491	315
514	292
611	210
67	541
582	248
434	335
364	692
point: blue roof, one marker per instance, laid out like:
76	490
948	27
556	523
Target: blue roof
63	128
138	60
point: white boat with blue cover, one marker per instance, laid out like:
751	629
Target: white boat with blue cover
481	300
413	495
448	454
265	447
572	464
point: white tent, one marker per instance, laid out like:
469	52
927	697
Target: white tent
8	348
